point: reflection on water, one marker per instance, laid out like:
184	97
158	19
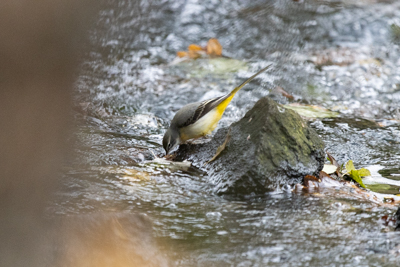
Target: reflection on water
335	54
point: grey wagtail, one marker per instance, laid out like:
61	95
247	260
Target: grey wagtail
200	118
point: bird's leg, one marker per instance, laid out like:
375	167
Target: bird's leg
207	136
170	156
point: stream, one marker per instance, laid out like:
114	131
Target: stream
340	56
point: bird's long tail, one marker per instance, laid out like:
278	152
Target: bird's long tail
234	91
222	106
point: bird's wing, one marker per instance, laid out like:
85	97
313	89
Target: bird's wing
203	108
191	113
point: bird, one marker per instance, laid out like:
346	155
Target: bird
198	119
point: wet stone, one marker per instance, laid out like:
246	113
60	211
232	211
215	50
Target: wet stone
397	219
269	147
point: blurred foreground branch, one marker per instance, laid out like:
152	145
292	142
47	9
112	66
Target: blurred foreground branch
39	46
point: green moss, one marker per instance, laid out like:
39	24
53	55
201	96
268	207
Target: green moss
395	31
383	188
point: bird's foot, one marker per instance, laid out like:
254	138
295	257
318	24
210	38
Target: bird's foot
170	156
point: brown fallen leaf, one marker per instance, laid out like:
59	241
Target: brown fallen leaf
195	47
181	54
309	178
388	199
388	220
193	54
323	175
281	91
214	48
221	147
332	160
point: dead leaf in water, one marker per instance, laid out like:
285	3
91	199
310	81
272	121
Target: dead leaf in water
332	160
388	200
279	90
388	220
323	174
182	54
310	178
193	54
214	48
194	51
195	47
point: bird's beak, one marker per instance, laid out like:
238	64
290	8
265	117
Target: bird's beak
172	149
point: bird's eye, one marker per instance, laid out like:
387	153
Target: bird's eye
169	145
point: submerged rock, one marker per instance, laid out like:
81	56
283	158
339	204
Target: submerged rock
269	146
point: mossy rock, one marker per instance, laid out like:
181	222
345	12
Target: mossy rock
269	146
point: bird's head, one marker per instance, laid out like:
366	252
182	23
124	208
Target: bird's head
171	139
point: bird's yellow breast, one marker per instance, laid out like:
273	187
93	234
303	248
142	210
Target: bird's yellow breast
206	124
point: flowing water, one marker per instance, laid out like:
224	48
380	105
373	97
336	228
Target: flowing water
340	55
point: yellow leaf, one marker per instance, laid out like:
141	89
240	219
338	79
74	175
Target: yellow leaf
364	172
350	166
356	176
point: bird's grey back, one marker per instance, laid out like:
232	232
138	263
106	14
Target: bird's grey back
185	114
192	112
